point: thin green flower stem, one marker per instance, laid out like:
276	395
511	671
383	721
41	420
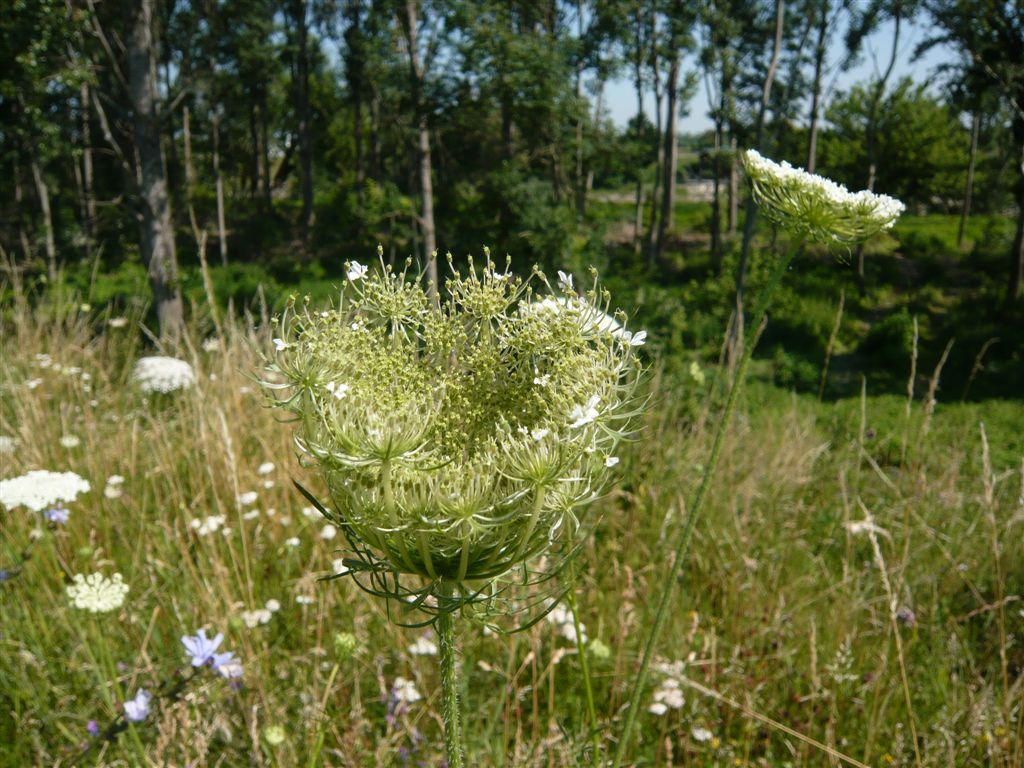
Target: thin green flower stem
695	510
450	687
581	649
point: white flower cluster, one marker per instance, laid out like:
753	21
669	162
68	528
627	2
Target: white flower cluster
561	617
163	374
423	646
667	696
8	444
815	206
96	593
204	526
40	489
404	691
254	618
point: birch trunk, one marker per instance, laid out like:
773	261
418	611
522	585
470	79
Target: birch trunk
157	241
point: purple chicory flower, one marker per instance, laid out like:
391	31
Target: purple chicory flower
227	665
200	647
137	710
57	515
93	728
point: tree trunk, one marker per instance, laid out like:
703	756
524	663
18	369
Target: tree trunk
43	193
820	49
734	184
652	224
222	235
751	209
357	139
190	171
157	246
302	108
254	153
639	84
716	196
1013	286
872	141
88	176
668	197
965	210
411	27
265	151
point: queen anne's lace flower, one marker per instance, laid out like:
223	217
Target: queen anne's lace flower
817	207
96	593
473	430
404	691
163	375
40	489
423	646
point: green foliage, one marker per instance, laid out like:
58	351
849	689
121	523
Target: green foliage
921	145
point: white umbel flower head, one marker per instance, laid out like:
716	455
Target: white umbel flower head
40	489
817	207
96	593
472	430
163	375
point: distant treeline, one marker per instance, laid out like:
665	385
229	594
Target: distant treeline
299	132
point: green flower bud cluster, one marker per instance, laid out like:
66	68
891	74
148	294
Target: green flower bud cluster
459	435
816	207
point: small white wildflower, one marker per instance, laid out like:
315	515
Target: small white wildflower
304	600
40	489
701	734
252	514
310	512
657	708
565	281
163	375
207	525
405	691
635	339
356	271
611	461
117	322
247	499
423	646
539	434
542	381
292	541
273	605
254	618
268	484
280	345
211	344
582	415
668	694
70	441
328	532
33	383
96	593
561	617
338	390
8	445
265	468
339	567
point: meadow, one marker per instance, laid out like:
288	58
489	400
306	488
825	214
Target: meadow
852	595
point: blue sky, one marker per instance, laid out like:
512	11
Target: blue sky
621	97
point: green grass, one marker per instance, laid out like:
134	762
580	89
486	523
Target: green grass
782	609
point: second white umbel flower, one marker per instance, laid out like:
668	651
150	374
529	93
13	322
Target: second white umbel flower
816	207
